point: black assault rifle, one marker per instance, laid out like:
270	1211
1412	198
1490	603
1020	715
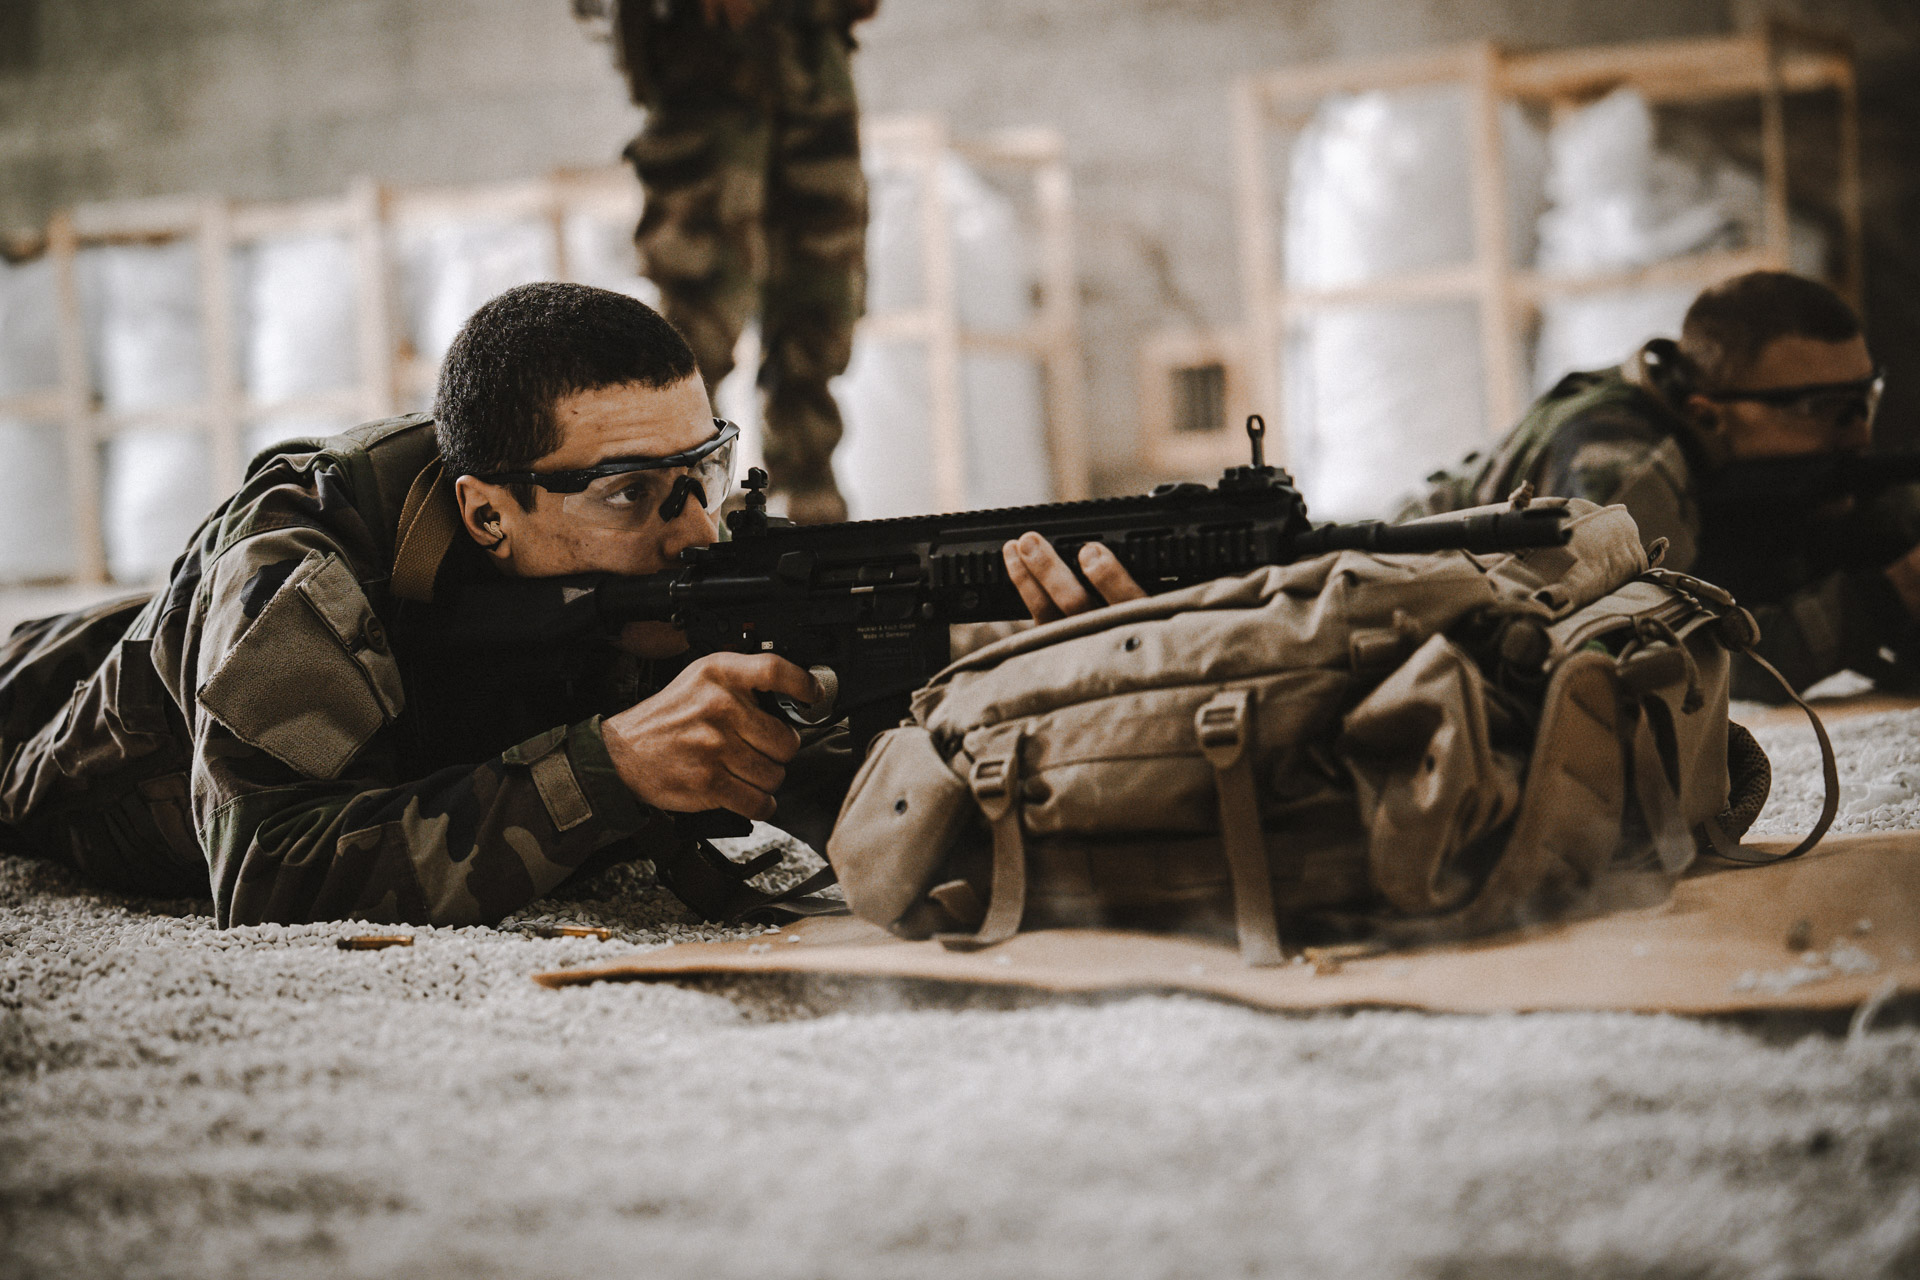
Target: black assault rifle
1798	481
866	604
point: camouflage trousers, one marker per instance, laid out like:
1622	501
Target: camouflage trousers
77	702
756	206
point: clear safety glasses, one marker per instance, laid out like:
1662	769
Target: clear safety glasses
1830	404
627	493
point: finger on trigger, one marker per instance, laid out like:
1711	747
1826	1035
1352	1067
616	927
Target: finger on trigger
777	675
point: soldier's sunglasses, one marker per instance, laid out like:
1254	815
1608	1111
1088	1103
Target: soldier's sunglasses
1829	403
626	493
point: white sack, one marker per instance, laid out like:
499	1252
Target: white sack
447	270
36	524
1379	396
885	465
144	307
600	252
1618	202
300	333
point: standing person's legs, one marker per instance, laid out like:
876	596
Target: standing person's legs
701	236
816	273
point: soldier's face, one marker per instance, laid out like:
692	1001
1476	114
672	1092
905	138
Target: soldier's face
597	426
1754	430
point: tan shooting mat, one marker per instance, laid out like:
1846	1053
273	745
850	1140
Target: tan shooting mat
1829	930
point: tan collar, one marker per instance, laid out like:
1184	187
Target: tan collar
429	520
1637	371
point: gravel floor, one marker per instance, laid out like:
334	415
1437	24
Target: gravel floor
180	1101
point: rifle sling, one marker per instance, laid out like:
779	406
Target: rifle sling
716	887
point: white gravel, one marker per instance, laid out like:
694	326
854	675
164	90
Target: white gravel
180	1101
1879	757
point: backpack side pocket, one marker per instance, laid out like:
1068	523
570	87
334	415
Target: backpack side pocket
901	815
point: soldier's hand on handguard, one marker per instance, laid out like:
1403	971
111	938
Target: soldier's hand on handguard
1904	574
1049	587
703	742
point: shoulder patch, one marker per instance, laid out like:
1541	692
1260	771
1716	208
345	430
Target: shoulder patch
312	679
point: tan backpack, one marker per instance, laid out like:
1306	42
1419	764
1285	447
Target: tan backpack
1400	747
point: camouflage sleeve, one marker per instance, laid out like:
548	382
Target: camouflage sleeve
1850	620
294	788
1648	476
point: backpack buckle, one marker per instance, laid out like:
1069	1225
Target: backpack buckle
989	778
1221	726
994	778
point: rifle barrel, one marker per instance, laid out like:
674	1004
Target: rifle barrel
1497	531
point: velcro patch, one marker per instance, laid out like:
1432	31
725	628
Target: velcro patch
560	791
301	684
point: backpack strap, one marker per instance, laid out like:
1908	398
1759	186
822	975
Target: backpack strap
1224	727
1740	633
428	522
995	781
1726	847
717	889
1659	805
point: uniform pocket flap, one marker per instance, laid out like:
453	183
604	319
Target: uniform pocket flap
312	680
334	594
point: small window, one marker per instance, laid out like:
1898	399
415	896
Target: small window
1200	398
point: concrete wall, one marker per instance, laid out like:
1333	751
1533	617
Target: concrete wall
262	99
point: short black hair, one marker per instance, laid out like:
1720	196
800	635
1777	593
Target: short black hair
529	348
1731	323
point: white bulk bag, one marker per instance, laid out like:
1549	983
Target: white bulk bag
36	520
1378	396
143	303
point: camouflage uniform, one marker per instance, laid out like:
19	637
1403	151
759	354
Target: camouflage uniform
1815	586
755	202
267	727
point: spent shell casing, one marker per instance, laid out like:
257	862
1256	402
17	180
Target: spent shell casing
573	931
375	941
1329	960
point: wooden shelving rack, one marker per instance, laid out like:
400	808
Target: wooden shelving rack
387	371
1772	65
391	374
915	144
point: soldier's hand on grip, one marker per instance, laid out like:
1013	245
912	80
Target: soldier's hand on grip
1049	587
704	743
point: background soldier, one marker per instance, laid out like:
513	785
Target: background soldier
756	205
1770	367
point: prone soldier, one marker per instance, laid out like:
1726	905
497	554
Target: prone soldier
272	727
1768	367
